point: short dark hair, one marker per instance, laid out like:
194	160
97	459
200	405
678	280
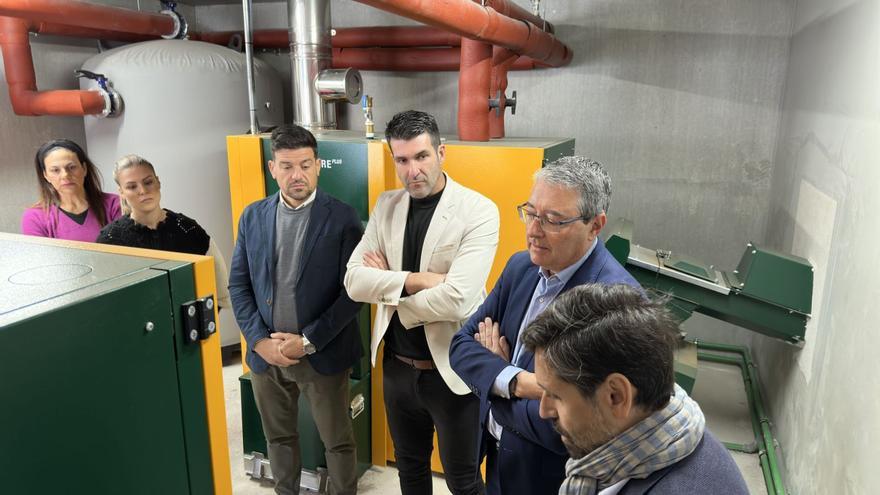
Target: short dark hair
594	330
293	137
412	124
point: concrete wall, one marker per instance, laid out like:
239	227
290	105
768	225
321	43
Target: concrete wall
680	100
825	398
55	59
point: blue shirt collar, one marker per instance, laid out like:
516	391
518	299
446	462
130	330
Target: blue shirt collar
566	273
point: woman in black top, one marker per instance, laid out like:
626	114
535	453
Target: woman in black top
145	224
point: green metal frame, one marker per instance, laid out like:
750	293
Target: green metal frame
106	399
181	283
757	299
767	455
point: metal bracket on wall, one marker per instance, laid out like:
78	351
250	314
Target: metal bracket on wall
198	318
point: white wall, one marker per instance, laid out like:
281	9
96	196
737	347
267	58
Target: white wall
55	59
680	100
825	398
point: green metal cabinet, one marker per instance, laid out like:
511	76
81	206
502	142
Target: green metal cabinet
100	392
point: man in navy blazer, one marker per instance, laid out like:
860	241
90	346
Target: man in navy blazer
563	216
300	325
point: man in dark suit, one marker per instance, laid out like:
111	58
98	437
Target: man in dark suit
299	323
563	216
603	358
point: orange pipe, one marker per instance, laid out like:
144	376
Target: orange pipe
473	90
23	94
263	38
502	61
357	37
393	36
472	20
510	9
411	59
87	15
53	29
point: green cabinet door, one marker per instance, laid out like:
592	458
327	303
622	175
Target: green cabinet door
89	392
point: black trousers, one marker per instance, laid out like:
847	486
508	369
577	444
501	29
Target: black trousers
418	402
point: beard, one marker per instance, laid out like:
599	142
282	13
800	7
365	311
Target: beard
581	443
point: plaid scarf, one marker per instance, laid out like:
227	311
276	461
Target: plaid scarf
660	440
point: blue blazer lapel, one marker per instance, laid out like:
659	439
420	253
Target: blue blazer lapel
268	225
518	304
317	220
589	272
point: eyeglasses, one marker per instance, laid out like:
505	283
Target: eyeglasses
547	225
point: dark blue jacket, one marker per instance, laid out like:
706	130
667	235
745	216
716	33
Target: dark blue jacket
325	313
709	469
531	457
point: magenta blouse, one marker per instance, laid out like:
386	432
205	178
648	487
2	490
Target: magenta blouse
54	223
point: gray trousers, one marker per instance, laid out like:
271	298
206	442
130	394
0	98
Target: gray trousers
277	393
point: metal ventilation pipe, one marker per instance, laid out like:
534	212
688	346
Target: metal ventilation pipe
311	61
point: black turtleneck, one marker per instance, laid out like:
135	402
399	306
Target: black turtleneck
411	343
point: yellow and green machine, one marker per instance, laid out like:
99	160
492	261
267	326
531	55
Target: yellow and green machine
357	170
112	381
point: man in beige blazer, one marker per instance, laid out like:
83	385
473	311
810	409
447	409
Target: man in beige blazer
423	262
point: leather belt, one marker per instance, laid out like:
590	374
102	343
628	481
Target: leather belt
419	364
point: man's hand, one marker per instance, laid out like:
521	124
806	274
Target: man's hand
375	259
419	281
490	336
527	386
270	350
291	345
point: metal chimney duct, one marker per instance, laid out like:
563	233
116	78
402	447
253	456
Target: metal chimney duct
310	63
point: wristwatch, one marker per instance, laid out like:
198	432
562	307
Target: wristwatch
512	386
308	347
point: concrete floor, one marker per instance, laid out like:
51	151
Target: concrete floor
719	390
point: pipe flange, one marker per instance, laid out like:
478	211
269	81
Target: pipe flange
180	25
112	103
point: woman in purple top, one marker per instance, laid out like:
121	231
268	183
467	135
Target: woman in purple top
71	204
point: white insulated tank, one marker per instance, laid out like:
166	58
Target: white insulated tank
181	99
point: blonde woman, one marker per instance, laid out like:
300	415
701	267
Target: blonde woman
145	224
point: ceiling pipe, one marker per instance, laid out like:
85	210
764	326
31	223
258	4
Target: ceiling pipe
247	8
474	21
87	15
502	61
393	36
411	59
510	9
53	29
473	90
310	53
22	82
357	37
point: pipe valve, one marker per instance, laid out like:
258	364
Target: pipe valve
180	25
112	98
508	102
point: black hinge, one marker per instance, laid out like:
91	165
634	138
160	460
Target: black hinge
198	319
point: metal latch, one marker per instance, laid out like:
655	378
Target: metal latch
357	406
198	319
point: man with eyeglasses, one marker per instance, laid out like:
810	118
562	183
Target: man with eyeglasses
563	216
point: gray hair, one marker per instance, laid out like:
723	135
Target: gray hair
126	162
585	175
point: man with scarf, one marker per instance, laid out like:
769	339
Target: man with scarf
603	358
